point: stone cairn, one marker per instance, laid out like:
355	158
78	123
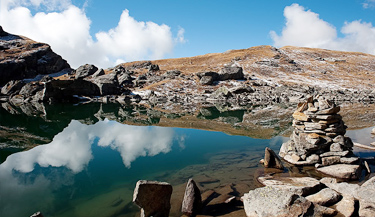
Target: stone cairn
319	137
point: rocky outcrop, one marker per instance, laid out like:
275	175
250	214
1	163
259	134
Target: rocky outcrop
280	198
319	138
23	58
153	198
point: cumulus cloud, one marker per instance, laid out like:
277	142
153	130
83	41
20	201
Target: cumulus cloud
67	29
306	29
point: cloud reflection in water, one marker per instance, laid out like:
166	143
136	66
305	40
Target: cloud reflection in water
72	149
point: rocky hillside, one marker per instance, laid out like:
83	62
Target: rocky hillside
256	75
22	58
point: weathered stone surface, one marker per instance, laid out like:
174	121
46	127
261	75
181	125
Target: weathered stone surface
334	153
221	93
328	111
324	197
373	131
299	116
343	171
192	202
298	185
108	84
346	206
344	188
234	73
349	160
153	197
314	126
85	70
271	160
272	201
326	161
366	209
336	147
24	58
63	90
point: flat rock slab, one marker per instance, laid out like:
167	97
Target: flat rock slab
153	197
271	201
297	185
342	171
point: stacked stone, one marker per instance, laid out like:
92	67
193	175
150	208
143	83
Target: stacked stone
319	136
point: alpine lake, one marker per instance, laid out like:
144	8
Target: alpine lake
84	160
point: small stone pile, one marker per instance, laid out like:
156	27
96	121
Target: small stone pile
319	138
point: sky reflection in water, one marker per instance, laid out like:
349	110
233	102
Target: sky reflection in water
22	184
86	161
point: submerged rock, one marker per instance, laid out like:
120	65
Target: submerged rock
153	197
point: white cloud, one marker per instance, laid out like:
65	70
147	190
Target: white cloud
72	148
67	30
368	4
305	28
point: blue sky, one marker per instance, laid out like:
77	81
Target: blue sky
169	29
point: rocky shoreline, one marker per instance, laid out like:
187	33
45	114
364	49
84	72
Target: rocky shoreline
243	80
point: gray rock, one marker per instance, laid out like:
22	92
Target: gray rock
228	73
241	89
349	160
99	72
326	161
85	70
336	147
346	206
298	185
324	197
172	74
192	202
343	171
206	80
272	201
271	160
344	188
153	197
222	93
373	131
334	153
108	84
153	68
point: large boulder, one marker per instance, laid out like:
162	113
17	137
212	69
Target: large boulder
24	58
85	70
276	202
229	73
298	185
65	90
153	197
108	84
342	171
